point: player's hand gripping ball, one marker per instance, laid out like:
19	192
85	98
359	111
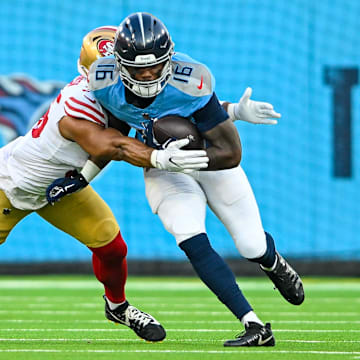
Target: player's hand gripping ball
173	127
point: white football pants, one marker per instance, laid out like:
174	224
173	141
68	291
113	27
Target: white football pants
180	201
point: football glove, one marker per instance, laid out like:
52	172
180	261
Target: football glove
72	182
255	112
172	158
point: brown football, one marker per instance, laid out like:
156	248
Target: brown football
177	127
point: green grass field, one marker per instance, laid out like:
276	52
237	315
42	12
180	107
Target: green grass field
46	318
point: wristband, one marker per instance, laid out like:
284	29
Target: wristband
90	170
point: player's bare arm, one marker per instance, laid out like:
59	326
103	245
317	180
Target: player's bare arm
225	149
105	144
112	145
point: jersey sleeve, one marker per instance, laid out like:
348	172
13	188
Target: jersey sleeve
192	77
194	81
79	102
210	115
103	73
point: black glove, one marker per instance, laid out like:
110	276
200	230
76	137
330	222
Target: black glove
72	182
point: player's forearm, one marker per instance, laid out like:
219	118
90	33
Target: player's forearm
125	150
221	159
109	144
225	151
132	151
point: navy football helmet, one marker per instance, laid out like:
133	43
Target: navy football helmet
142	40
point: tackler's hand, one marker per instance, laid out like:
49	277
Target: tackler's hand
173	158
255	112
72	182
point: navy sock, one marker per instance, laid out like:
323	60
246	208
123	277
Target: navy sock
215	273
268	259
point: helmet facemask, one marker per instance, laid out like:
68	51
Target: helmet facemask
145	89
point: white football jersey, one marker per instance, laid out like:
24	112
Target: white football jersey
32	162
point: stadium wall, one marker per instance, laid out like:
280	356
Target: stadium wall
302	56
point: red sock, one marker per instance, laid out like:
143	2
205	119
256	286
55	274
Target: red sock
110	268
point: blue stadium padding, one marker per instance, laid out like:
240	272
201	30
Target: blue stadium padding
279	48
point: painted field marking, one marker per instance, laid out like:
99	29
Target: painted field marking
184	351
164	286
179	330
329	322
167	340
190	313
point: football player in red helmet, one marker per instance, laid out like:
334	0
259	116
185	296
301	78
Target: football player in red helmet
75	127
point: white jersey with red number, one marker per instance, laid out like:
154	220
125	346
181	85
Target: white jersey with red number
32	162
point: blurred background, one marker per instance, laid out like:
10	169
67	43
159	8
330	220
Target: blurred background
303	56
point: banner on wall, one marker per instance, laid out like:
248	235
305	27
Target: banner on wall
23	100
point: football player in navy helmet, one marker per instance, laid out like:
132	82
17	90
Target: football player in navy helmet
146	80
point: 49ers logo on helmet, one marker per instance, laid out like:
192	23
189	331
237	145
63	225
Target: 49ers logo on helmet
105	47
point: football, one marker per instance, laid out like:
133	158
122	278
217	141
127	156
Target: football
177	127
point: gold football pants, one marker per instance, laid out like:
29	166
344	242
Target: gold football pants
83	215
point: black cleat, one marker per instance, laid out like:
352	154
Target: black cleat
287	281
143	324
254	335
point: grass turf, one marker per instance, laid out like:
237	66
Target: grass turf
61	317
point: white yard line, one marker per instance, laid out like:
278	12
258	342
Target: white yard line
184	321
176	330
197	340
188	300
96	304
284	313
205	313
151	285
184	351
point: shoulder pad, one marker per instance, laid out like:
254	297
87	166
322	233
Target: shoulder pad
191	77
103	73
79	102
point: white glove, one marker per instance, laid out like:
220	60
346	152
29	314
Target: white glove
172	158
255	112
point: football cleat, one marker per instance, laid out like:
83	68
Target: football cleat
254	335
287	281
143	324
